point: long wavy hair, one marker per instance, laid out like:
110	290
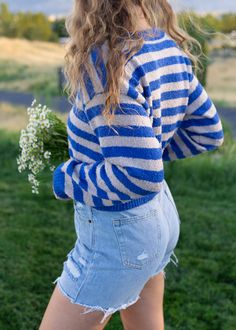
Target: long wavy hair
92	22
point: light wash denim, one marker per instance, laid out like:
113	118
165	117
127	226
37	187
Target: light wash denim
116	253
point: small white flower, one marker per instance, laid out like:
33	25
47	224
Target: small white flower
33	103
47	154
33	156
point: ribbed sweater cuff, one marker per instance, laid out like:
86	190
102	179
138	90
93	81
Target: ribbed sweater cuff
59	183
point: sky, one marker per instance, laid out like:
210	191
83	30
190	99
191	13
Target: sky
62	7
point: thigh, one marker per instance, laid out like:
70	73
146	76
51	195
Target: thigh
147	312
61	314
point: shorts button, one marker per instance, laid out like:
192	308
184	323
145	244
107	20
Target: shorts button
90	221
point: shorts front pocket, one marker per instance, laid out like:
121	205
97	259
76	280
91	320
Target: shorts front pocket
138	238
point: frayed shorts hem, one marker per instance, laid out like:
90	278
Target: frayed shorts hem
162	268
89	308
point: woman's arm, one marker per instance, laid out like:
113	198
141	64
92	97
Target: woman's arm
132	163
201	129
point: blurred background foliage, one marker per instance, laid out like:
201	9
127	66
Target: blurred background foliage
207	29
23	24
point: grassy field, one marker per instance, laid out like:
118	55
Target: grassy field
32	66
14	118
37	232
221	81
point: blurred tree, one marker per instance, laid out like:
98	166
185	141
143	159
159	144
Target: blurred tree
212	23
7	21
228	23
58	27
32	26
198	29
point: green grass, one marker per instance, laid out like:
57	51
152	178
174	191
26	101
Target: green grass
37	232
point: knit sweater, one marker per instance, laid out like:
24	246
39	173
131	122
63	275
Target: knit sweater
164	114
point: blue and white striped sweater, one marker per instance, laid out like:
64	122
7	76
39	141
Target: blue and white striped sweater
165	114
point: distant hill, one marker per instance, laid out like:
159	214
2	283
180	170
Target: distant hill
58	7
31	53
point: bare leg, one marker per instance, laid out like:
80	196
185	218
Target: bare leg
147	312
61	314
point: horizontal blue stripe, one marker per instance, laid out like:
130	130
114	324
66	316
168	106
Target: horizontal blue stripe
209	147
132	92
173	111
150	66
80	133
195	94
156	121
123	109
156	47
203	108
166	128
213	135
132	152
200	121
156	104
155	85
134	131
84	150
167	79
147	175
174	94
127	183
170	60
174	77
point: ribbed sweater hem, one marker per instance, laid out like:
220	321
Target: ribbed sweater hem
59	182
128	205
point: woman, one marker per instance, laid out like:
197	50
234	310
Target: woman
137	103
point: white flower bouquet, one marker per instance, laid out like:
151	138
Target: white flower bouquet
42	144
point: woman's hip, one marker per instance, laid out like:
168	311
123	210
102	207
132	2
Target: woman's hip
130	238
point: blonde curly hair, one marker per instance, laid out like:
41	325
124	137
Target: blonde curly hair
92	22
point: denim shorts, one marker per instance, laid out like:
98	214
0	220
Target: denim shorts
116	253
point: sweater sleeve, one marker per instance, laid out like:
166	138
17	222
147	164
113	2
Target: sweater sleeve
201	128
131	164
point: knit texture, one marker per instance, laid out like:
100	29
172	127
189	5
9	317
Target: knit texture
165	114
